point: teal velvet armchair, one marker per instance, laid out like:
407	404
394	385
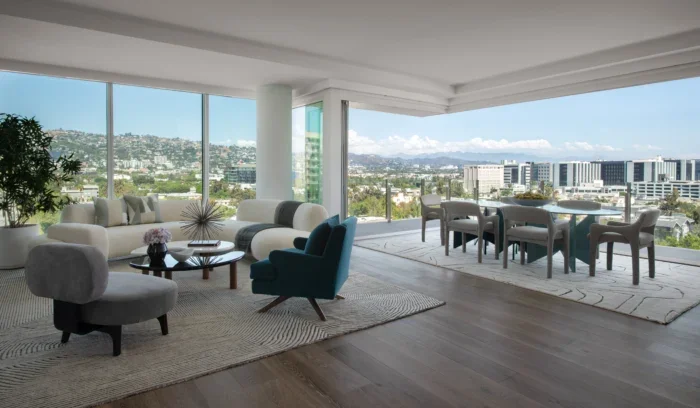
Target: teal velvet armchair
294	273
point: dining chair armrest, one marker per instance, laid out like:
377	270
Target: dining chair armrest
618	223
629	231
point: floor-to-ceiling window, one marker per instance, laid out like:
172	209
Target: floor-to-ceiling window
307	152
74	113
157	142
232	163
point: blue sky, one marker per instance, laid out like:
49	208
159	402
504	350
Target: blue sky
638	122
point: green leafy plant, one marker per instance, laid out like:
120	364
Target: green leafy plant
30	178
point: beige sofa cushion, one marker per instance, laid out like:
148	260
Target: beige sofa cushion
143	210
110	213
257	210
308	216
83	234
171	210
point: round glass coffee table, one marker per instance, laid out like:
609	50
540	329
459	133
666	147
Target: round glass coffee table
222	248
195	262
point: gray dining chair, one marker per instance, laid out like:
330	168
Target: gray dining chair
546	236
430	210
639	234
457	219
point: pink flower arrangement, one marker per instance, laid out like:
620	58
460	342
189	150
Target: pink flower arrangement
157	236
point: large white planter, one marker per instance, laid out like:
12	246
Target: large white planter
14	243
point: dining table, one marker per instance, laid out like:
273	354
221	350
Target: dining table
579	242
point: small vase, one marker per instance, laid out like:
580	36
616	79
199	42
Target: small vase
157	253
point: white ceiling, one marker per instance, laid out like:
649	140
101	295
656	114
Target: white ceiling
440	51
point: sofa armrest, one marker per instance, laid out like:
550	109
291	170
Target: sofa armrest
300	243
85	234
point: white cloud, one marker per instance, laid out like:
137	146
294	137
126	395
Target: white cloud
246	143
416	144
589	147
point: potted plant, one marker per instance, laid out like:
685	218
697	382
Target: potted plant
156	239
30	180
531	199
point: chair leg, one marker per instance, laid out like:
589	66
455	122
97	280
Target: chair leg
505	251
567	254
522	252
446	241
442	231
65	336
338	297
610	256
550	251
273	304
635	264
163	320
115	332
496	242
422	229
480	237
592	260
464	242
651	254
317	308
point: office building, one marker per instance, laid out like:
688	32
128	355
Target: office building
575	173
241	174
490	176
613	172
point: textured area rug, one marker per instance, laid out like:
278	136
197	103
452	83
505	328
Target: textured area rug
211	328
675	290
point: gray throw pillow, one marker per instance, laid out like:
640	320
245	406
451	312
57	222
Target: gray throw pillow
143	210
110	213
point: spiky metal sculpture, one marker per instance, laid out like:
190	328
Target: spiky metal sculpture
202	221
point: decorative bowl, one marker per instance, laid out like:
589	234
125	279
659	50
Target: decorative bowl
181	254
531	203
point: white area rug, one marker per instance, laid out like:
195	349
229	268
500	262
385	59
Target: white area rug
211	328
675	290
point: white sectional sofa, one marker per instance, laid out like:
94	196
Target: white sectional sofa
77	225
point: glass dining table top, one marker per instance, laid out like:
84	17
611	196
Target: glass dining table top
553	208
603	212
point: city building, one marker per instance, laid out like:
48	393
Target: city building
575	173
685	169
489	176
613	173
241	173
655	170
515	173
686	189
542	172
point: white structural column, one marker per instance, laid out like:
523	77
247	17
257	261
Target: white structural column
274	142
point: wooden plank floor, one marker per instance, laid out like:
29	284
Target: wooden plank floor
492	345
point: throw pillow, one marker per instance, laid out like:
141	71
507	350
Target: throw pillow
318	238
142	210
110	213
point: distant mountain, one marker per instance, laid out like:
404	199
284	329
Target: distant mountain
376	161
456	158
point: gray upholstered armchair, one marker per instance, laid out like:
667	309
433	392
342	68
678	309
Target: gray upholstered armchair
87	297
639	234
545	235
477	225
430	210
